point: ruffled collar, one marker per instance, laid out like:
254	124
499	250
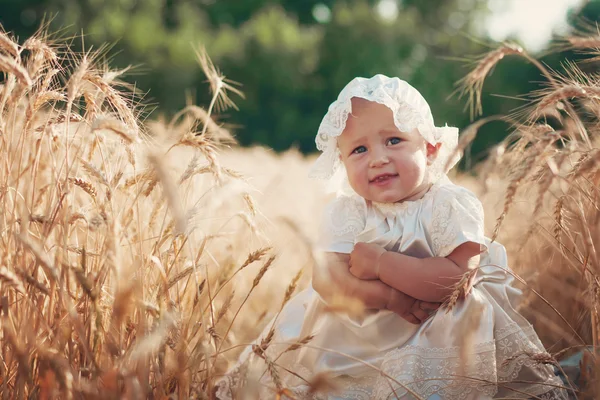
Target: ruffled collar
394	209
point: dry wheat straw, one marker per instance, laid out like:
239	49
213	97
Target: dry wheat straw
219	84
34	282
472	84
182	275
116	100
40	255
170	192
10	66
45	97
291	288
584	36
94	172
225	307
566	92
85	185
95	304
85	310
250	203
578	42
210	129
76	79
302	342
255	283
117	127
36	44
9	279
8	45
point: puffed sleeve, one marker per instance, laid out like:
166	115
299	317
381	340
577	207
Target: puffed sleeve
343	219
456	218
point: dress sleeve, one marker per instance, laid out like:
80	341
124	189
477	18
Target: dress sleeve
343	219
457	218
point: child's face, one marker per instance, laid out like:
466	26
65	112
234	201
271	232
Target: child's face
383	164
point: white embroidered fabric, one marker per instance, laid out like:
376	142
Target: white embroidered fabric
410	111
481	349
343	220
457	218
484	371
346	216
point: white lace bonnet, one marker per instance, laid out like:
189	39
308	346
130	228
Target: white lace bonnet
410	111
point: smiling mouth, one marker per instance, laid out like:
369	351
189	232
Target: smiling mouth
382	178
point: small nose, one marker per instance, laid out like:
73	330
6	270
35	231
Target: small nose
379	161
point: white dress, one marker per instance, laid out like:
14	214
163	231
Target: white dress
482	348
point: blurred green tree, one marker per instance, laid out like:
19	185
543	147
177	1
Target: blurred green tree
291	56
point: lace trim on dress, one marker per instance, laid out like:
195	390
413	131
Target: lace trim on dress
429	371
396	209
489	369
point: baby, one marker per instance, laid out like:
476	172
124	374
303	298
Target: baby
399	236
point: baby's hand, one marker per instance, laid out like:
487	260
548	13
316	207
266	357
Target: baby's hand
422	310
364	260
413	310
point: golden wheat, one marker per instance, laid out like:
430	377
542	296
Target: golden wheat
153	289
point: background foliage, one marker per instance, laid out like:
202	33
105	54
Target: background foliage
290	64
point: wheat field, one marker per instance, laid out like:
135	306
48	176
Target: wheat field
139	257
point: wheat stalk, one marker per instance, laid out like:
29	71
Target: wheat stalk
10	66
9	279
117	127
219	84
85	185
8	45
472	84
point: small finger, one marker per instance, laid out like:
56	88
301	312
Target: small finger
421	315
412	319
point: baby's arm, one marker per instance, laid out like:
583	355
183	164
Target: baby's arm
429	279
455	229
336	279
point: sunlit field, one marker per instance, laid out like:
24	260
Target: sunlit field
139	257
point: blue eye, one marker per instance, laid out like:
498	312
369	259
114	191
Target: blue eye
359	149
394	140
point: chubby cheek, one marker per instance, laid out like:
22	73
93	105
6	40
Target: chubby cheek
357	176
415	166
412	169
